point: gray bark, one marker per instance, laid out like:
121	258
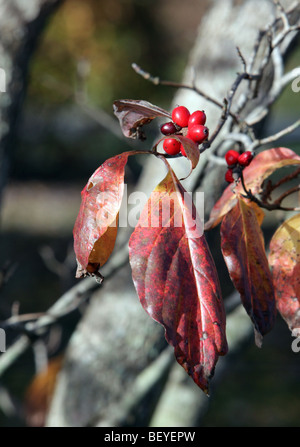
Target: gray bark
117	369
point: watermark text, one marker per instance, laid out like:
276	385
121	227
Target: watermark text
2	340
2	80
296	343
296	85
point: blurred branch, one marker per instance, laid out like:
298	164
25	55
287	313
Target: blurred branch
275	37
275	137
21	25
6	272
61	269
35	325
97	114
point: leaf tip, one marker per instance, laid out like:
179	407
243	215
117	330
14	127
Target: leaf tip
92	269
258	338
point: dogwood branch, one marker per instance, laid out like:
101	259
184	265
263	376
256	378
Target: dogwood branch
274	137
274	51
276	205
157	81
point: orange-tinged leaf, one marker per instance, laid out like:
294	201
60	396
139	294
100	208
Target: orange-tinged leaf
176	279
261	167
105	244
284	259
244	253
39	393
95	229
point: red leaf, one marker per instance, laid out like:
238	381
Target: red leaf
284	259
133	114
244	253
176	279
261	167
95	229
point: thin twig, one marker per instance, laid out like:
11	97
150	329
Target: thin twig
227	106
286	194
274	39
268	206
274	137
270	187
242	59
65	304
157	81
283	14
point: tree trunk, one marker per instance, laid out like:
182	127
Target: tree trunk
21	24
118	370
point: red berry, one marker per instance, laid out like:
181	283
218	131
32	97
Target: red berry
168	128
180	116
231	157
198	133
197	117
245	158
171	146
182	150
228	176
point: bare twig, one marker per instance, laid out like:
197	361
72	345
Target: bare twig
274	137
270	206
242	59
283	14
227	106
286	194
274	35
157	81
268	187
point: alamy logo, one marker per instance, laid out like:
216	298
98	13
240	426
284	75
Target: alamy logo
296	343
2	81
296	85
2	340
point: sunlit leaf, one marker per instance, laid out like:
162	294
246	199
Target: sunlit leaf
176	279
95	229
261	167
244	253
284	259
133	114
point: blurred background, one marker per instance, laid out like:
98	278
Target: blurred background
88	47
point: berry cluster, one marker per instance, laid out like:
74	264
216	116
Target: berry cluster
191	125
236	161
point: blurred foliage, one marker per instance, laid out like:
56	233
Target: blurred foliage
98	40
104	38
